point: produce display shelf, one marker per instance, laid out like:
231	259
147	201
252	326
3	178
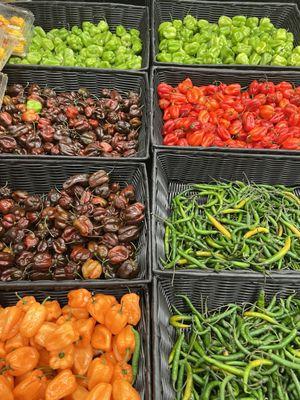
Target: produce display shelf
40	177
282	15
174	171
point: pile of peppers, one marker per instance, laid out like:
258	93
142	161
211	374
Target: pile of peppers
87	349
264	115
237	40
234	225
92	46
243	352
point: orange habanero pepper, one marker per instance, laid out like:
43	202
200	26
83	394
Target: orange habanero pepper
122	390
63	358
124	344
44	358
79	298
30	387
45	331
77	313
34	318
101	338
15	342
61	386
62	337
130	303
25	302
82	358
110	357
101	391
100	370
12	318
22	360
123	371
5	391
53	310
79	394
116	319
98	306
84	327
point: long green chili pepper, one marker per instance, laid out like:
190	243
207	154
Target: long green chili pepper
189	383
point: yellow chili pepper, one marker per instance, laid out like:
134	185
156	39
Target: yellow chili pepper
219	226
241	204
292	196
174	321
250	366
231	211
280	230
292	228
255	231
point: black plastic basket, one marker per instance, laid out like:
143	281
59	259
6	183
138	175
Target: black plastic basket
175	171
37	177
59	14
283	15
204	76
67	80
143	382
133	2
212	291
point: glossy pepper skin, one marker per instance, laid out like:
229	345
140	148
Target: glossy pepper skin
123	390
22	360
124	344
102	338
5	391
116	318
101	391
131	304
98	306
64	384
34	318
30	387
62	337
100	370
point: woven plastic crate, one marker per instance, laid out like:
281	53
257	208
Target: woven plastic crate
68	80
174	171
211	291
133	2
282	15
59	14
36	177
204	76
9	298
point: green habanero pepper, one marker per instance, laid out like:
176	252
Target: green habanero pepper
178	58
164	57
47	44
266	58
254	59
296	50
63	33
68	53
191	48
136	46
281	34
94	50
252	22
34	57
34	105
172	45
107	36
108	56
134	32
50	61
242	58
86	38
103	26
163	44
169	32
190	22
237	36
225	30
224	21
228	60
120	30
86	25
60	49
126	39
53	33
113	43
278	60
76	31
290	37
239	20
243	48
294	59
91	62
38	30
94	30
261	47
203	24
84	52
69	61
74	42
177	23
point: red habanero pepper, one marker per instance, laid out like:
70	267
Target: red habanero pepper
292	143
169	126
163	104
192	95
283	86
256	134
233	90
254	87
177	98
164	90
171	139
185	86
294	119
208	139
195	138
295	130
182	142
290	109
295	99
236	127
185	109
174	111
167	114
248	121
203	116
252	104
223	133
277	117
230	114
224	122
267	87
